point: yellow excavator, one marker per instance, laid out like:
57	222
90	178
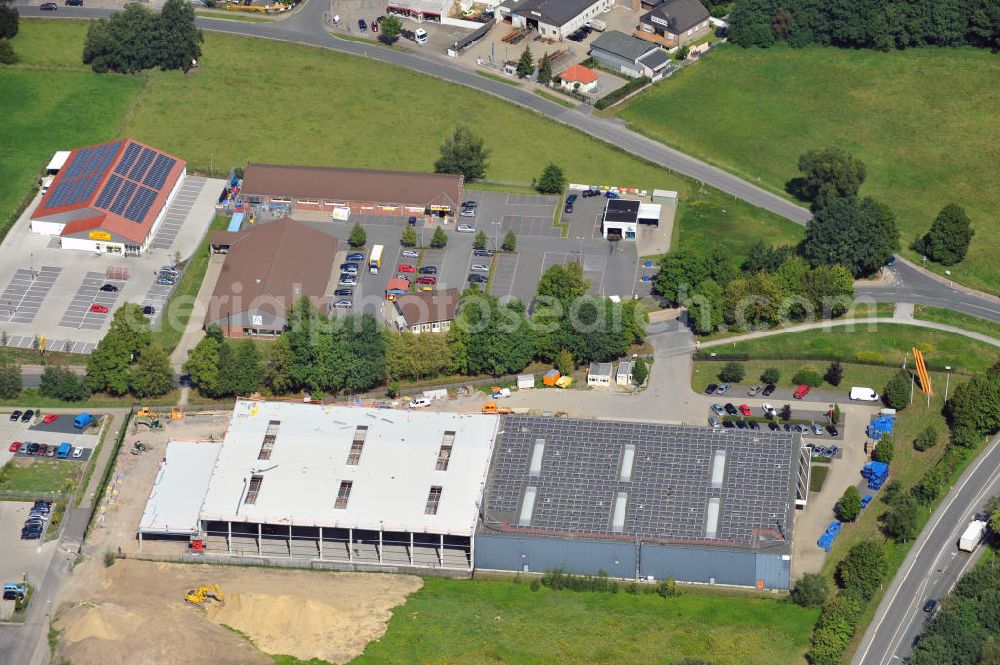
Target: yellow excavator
200	595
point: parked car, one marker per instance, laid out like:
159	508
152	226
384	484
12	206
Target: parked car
375	25
406	267
483	252
428	270
773	426
768	389
14	417
355	256
344	292
769	409
571	198
476	278
468	212
745	409
169	270
27	416
465	228
710	388
362	26
719	411
15	446
741	424
723	389
479	267
470	205
568	208
41	450
424	288
48	6
714	422
611	195
166	281
77	453
801	391
349	268
348	280
420	36
728	424
32	448
410	254
99	308
109	288
833	431
427	279
593	191
343	304
832	451
754	389
406	34
403	275
817	429
148	310
730	409
754	424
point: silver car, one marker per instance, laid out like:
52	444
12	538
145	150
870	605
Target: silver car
718	409
410	254
754	389
723	389
479	267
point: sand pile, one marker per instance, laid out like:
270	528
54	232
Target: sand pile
101	622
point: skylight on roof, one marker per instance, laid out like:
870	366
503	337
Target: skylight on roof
618	517
712	523
528	506
718	468
628	460
535	468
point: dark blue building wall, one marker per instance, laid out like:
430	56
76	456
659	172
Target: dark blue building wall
541	554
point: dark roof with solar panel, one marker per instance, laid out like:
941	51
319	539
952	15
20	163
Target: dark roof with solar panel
574	478
117	187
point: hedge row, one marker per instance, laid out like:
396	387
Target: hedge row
621	93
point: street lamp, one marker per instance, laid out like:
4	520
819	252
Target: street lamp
947	382
496	236
580	250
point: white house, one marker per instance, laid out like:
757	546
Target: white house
554	19
599	375
623	377
525	381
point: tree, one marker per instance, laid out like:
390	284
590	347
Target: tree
491	338
416	357
764	258
859	234
640	371
9	21
896	393
706	307
439	239
771	375
552	180
949	237
864	568
409	238
152	375
7	55
754	302
679	275
563	282
903	521
509	243
10	376
545	69
682	53
926	439
829	174
126	43
974	408
464	154
202	365
526	63
830	289
389	29
883	451
109	364
786	412
241	368
480	241
812	590
995	521
732	372
277	372
179	38
849	506
834	373
358	237
808	377
564	362
61	383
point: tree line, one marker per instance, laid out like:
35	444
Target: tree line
136	39
870	24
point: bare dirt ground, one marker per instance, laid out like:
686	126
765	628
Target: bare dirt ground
134	613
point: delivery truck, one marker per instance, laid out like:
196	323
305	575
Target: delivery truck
974	534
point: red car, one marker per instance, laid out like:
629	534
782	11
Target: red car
42	449
49	419
744	409
98	308
427	279
406	267
801	392
16	446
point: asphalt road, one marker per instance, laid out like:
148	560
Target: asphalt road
932	567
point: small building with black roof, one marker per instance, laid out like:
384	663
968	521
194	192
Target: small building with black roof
674	23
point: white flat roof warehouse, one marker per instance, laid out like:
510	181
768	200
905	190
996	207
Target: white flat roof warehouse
287	463
179	488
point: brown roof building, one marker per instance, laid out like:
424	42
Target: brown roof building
431	311
267	269
322	189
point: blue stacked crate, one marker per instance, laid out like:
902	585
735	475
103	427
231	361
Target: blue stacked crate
876	473
865	501
879	425
825	541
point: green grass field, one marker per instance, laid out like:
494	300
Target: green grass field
957	319
40	475
345	118
476	622
923	120
891	342
47	105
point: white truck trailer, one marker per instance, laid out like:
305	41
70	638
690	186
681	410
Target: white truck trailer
974	534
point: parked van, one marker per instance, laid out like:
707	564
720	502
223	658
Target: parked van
420	36
597	25
82	420
419	402
714	422
864	394
64	450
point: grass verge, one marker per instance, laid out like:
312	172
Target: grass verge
232	16
818	476
498	78
555	99
957	319
40	476
919	156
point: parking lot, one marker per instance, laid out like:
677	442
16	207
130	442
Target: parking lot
79	315
20	560
23	296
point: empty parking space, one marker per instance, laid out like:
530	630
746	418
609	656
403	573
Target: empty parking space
504	270
530	226
23	296
177	212
156	298
78	314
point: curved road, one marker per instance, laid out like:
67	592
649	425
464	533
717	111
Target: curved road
932	567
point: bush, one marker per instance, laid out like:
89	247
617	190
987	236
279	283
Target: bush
834	373
863	569
771	375
892	492
7	55
552	180
535	585
812	590
883	451
732	372
835	628
903	521
62	383
559	579
870	357
849	506
109	558
667	588
926	439
358	237
809	377
896	393
622	92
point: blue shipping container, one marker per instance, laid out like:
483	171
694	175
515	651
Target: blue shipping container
235	223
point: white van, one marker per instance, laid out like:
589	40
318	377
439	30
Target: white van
419	402
420	36
864	394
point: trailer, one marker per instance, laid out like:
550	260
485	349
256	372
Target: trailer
974	534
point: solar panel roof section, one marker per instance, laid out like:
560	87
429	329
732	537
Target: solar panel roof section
124	194
109	191
669	492
158	173
141	164
141	202
128	159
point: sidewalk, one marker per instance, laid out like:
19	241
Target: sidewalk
193	331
